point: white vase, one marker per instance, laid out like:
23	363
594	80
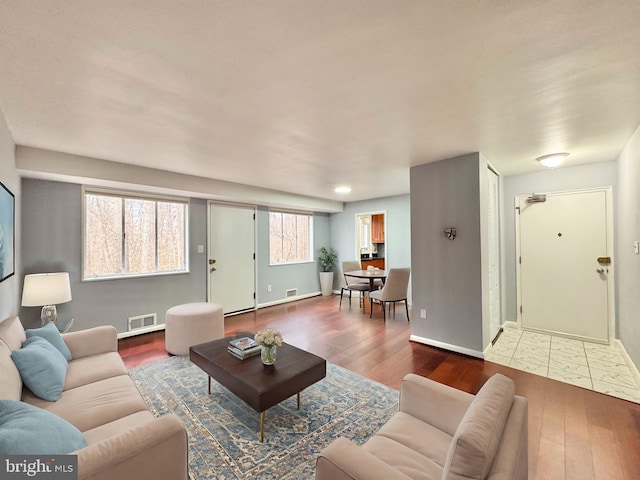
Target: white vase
326	283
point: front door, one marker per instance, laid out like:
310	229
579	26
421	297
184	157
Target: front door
564	274
232	257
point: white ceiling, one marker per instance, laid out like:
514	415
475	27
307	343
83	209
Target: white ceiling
302	96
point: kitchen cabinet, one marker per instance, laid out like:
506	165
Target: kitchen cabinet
372	262
377	228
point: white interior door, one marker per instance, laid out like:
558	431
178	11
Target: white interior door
563	287
232	249
494	255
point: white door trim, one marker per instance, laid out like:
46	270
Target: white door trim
608	191
498	251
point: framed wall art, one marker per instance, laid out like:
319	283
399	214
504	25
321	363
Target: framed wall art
7	233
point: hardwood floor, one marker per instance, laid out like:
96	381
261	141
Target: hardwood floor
574	433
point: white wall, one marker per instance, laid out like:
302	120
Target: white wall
627	262
11	288
64	167
560	179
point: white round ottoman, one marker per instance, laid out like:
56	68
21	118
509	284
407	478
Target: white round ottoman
191	324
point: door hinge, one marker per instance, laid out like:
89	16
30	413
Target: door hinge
520	309
254	295
520	260
254	216
254	256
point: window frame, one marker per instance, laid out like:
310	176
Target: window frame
311	258
129	194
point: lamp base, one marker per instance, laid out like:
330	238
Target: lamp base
48	314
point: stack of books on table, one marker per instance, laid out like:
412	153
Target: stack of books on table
243	347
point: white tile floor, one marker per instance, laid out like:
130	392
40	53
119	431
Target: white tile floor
589	365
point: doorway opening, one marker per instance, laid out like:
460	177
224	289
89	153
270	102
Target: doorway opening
371	244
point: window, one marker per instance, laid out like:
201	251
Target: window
290	237
130	235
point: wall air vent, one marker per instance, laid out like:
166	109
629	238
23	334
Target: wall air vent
142	321
292	292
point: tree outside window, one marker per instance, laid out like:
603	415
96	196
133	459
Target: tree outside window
290	237
127	236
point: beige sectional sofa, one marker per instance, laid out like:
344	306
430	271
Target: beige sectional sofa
440	433
124	440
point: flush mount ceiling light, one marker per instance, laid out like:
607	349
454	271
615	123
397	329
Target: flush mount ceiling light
552	160
342	189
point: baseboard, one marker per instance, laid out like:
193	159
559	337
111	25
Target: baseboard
510	324
634	368
290	299
140	331
447	346
158	327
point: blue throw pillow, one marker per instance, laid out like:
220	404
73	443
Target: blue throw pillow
29	430
42	368
50	333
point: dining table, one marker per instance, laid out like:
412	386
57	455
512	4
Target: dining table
372	275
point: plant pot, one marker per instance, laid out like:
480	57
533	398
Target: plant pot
326	283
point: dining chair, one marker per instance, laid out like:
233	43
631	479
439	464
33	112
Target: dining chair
394	290
352	284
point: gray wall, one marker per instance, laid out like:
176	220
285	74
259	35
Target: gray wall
303	276
627	263
448	275
52	241
398	234
560	179
11	288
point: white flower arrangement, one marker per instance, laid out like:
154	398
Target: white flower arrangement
268	337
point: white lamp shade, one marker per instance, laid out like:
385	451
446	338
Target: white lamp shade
46	289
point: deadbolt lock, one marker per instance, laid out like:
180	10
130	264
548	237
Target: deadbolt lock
212	261
604	260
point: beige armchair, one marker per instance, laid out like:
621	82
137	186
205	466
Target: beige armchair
440	433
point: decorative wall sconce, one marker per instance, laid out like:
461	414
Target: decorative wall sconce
450	233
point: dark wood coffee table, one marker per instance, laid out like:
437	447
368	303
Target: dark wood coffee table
260	386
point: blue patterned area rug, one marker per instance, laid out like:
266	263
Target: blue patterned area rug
223	430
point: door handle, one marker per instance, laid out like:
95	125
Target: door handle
600	270
213	269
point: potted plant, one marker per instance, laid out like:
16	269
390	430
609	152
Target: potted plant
327	260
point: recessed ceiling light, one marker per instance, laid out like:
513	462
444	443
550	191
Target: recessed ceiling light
552	160
342	189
